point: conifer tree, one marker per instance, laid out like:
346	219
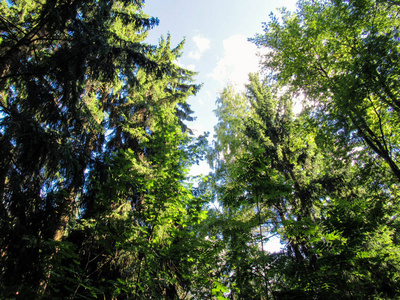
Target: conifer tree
92	142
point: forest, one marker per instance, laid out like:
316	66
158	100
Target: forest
96	146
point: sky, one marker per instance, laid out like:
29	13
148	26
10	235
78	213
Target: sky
216	33
217	47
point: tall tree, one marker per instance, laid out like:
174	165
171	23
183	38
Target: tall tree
343	55
293	178
92	141
137	187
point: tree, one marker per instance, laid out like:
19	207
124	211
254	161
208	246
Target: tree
342	55
296	179
94	152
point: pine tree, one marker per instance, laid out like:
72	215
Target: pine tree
92	140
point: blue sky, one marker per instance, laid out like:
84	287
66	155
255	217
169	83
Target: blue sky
216	47
216	33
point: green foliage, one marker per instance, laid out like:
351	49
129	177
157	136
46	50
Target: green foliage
342	55
95	197
326	180
94	202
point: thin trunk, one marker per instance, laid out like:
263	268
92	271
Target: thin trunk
66	211
59	233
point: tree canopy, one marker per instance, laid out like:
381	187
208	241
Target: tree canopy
326	179
94	154
95	149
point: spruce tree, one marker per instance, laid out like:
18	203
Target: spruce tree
92	140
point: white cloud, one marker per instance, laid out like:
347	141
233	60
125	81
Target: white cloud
240	58
191	67
202	44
